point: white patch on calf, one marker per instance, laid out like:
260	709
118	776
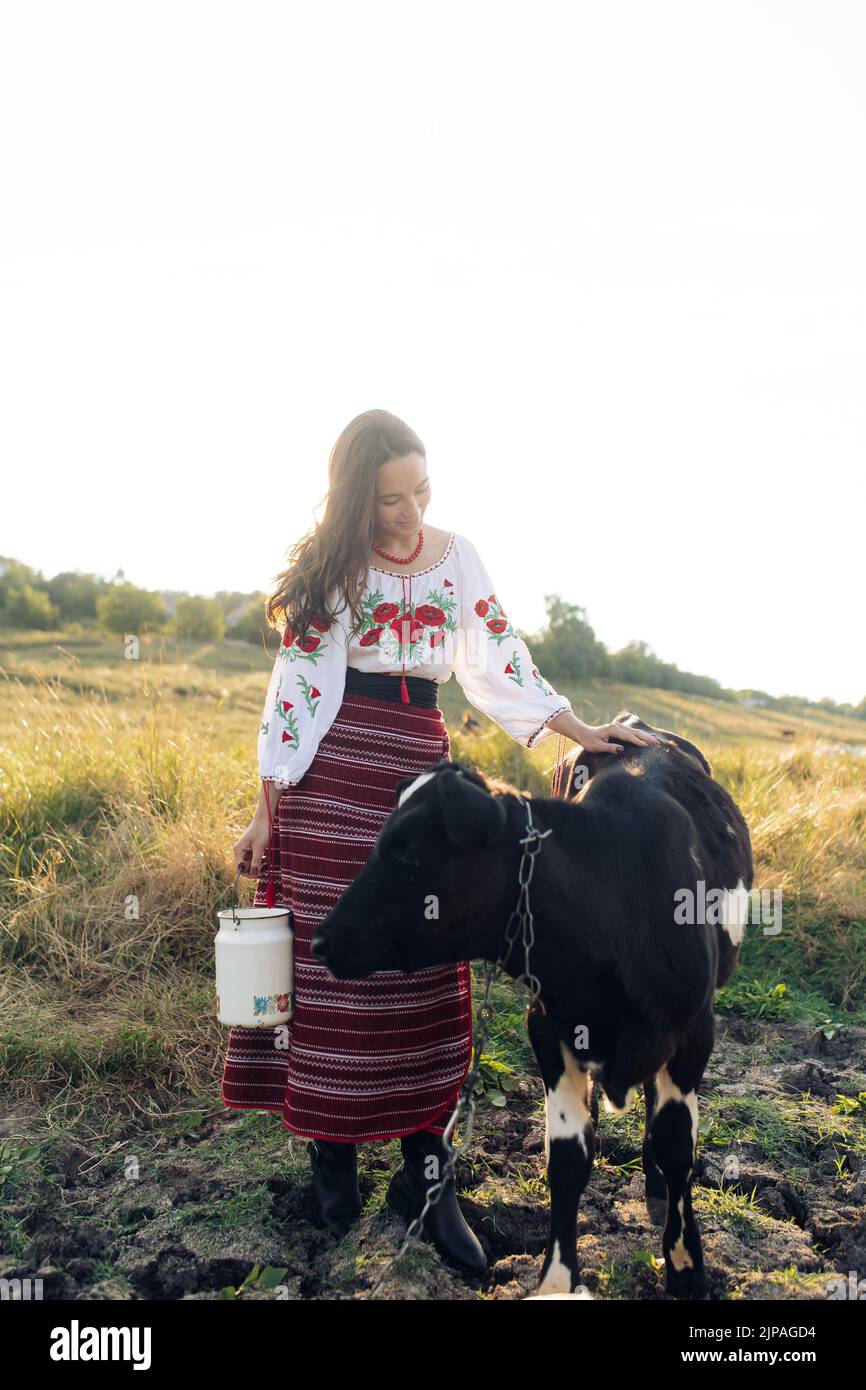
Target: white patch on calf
558	1276
680	1257
734	911
567	1105
667	1091
419	782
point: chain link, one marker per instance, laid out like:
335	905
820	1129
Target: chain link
521	916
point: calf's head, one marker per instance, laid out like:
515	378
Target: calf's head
581	767
433	889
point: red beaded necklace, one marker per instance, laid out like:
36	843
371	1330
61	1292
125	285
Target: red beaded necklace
407	609
402	559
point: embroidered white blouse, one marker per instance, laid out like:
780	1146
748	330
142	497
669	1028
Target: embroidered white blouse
454	623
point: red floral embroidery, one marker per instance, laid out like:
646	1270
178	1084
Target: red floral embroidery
309	645
541	682
497	624
512	669
405	632
430	615
406	627
384	612
311	693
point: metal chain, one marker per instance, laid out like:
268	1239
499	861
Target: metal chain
520	916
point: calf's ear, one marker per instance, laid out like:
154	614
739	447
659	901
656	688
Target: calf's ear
472	816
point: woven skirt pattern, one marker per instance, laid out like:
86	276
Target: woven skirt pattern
363	1059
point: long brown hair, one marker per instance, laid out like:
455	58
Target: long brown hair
335	552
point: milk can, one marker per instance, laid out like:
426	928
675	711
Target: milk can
255	981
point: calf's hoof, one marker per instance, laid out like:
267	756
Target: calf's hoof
560	1277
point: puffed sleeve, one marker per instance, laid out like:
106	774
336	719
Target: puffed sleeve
305	692
494	665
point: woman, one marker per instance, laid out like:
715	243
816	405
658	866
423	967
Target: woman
369	595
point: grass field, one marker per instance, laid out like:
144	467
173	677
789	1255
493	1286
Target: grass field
124	785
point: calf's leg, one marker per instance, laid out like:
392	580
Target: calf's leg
656	1187
673	1133
569	1148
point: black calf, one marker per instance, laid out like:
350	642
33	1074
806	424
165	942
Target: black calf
626	984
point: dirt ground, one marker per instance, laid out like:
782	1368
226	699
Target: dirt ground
210	1203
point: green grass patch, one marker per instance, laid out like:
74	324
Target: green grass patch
792	1132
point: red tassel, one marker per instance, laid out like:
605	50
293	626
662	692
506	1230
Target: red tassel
404	693
270	892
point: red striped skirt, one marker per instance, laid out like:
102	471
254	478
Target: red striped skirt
360	1059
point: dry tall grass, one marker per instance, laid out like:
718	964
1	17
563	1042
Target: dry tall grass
116	826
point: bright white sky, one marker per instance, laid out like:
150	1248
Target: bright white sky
606	259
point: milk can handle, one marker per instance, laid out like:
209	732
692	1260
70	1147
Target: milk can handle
234	904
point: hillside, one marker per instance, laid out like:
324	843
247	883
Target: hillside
232	677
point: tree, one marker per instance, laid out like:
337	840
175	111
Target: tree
567	649
25	606
15	575
125	608
637	664
75	594
201	618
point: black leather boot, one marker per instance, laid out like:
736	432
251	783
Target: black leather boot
444	1225
336	1199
